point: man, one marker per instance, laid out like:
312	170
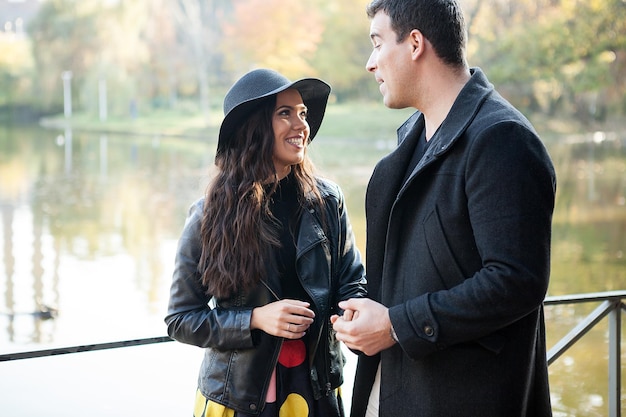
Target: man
458	235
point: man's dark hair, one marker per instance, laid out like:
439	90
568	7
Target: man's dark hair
440	21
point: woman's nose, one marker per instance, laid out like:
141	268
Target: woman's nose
300	123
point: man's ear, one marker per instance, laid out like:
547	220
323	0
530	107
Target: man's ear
417	42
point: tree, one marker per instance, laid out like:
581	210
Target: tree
279	34
197	22
167	63
542	56
344	50
63	39
15	66
94	41
564	56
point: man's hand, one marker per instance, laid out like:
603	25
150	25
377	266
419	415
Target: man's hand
365	328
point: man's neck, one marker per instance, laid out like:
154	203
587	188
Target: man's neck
442	92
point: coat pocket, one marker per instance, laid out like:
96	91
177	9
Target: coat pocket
450	272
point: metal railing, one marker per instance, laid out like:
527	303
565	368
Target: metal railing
83	348
611	305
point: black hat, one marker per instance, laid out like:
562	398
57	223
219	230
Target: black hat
247	93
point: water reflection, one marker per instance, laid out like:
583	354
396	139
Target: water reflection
30	324
90	224
87	199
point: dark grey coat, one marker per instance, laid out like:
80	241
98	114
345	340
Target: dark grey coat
461	255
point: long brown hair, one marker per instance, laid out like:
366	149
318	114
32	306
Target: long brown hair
238	230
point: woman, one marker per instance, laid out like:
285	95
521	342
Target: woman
264	259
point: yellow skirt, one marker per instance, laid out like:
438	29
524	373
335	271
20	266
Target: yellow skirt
289	393
293	407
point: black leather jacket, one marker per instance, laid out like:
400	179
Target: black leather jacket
238	361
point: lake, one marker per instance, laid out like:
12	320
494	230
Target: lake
89	226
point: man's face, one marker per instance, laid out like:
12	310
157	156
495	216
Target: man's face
390	62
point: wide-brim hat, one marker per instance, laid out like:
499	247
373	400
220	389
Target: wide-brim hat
250	90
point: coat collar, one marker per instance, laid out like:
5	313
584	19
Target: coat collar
461	114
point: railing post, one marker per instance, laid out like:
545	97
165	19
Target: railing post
615	378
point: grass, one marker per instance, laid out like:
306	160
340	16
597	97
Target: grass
368	121
363	121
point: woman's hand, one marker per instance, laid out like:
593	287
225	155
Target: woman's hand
285	318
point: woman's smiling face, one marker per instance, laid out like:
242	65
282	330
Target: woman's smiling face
291	131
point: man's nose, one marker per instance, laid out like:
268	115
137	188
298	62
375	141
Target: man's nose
370	65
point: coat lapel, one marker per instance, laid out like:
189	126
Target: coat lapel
387	178
381	194
459	118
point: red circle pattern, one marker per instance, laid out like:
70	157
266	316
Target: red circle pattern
292	353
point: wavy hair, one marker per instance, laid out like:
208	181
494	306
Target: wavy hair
238	230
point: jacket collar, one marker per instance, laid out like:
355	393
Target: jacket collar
310	233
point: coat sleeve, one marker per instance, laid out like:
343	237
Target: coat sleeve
190	319
509	189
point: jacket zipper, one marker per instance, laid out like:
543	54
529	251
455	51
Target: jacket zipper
323	327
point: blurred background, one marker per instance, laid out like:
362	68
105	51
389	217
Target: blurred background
559	57
109	112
